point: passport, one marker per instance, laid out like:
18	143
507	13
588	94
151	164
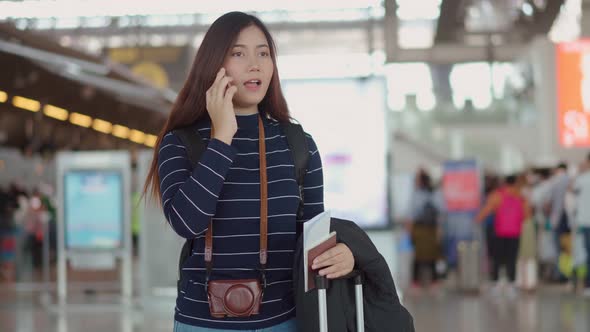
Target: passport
316	250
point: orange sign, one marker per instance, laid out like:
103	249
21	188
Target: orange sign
573	93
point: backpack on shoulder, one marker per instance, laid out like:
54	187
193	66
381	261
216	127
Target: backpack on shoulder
429	214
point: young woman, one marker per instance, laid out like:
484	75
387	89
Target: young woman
233	87
511	209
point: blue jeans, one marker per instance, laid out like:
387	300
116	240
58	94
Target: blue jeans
288	326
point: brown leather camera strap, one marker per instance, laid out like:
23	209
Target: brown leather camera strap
263	207
263	194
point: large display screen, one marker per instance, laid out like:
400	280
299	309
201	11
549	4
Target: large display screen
93	209
346	118
573	93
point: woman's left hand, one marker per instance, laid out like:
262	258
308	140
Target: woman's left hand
337	262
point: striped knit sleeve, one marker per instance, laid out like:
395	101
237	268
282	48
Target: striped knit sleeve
189	196
313	184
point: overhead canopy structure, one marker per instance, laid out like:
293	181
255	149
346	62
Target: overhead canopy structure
53	97
513	21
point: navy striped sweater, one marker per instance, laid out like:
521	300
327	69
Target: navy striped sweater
225	186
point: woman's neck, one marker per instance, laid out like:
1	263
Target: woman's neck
246	110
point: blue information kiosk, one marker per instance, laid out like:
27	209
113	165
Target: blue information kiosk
94	228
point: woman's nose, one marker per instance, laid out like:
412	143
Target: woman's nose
253	65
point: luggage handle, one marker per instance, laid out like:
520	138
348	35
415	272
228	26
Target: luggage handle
322	284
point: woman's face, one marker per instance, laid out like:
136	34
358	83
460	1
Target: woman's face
250	65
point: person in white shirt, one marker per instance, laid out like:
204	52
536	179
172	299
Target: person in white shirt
581	188
557	214
560	184
540	196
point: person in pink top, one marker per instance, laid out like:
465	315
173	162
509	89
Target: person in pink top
511	209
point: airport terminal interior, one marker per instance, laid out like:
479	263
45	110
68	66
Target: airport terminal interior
454	133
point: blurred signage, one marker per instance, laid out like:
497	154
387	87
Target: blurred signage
93	209
573	93
462	187
165	67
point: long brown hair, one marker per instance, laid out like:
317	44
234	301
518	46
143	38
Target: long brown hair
190	105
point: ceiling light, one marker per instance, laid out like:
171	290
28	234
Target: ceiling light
102	126
26	103
527	9
81	120
120	131
3	96
55	112
150	140
137	136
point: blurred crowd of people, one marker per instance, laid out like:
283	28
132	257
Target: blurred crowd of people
24	216
538	224
535	225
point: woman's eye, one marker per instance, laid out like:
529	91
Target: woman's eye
237	54
264	54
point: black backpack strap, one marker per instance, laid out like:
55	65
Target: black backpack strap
190	138
300	153
195	146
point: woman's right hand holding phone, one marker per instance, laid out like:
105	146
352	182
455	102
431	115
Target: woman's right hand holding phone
220	107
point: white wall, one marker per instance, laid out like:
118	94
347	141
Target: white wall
585	21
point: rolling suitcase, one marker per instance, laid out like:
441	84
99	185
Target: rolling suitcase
469	266
526	266
322	284
526	274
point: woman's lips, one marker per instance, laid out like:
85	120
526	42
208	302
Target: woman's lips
253	85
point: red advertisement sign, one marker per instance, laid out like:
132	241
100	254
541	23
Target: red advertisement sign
573	93
461	186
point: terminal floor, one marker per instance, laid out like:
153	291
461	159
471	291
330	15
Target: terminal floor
551	309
